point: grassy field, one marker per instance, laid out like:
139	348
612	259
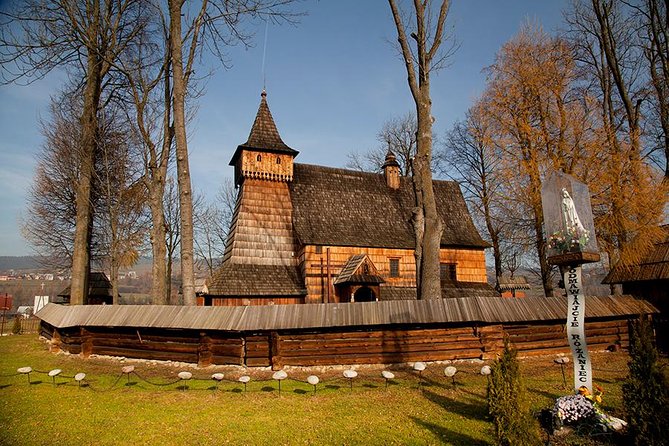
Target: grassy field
153	409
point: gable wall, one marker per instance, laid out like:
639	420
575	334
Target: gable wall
470	267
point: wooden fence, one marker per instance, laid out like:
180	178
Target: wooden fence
353	345
28	325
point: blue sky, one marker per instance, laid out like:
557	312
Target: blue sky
332	81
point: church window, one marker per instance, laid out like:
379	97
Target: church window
394	267
447	272
259	158
278	160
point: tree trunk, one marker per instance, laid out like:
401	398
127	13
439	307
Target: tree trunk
160	288
183	170
89	124
429	283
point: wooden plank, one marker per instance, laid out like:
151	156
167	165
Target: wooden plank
418	333
146	354
351	350
387	358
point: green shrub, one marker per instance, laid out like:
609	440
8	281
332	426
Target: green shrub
507	402
646	390
16	328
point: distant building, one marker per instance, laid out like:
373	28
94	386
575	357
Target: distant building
24	311
306	234
512	286
649	280
99	291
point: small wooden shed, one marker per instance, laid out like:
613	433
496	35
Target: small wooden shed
99	291
512	286
649	280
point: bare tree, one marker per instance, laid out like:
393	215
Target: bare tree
117	229
652	17
85	38
51	212
397	135
147	75
121	213
419	62
628	201
471	159
212	223
214	24
172	233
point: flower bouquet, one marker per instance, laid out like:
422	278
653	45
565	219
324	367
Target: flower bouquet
569	240
582	410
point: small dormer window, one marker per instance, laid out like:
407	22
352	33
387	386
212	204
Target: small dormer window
278	160
259	158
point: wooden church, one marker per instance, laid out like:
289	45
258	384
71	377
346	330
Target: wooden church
312	234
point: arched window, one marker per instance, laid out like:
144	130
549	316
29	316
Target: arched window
259	158
278	160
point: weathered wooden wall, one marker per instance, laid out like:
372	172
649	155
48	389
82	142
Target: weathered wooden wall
470	266
329	347
236	301
262	229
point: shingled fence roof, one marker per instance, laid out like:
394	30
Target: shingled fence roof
364	314
342	207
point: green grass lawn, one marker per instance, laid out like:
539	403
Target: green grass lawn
111	411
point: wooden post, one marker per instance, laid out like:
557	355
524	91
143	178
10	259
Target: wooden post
55	341
86	343
327	251
322	282
275	351
204	355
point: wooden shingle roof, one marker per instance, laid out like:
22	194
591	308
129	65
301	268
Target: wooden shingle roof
234	279
350	208
352	271
507	283
368	314
654	266
98	286
264	135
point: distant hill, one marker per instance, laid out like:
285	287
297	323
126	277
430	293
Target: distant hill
19	263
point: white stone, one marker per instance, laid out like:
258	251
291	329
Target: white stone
350	374
388	374
185	375
419	366
280	375
313	380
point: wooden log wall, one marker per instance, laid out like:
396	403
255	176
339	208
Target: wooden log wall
331	347
470	266
377	346
551	338
236	301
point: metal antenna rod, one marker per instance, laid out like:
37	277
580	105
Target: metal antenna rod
264	52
